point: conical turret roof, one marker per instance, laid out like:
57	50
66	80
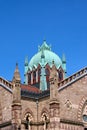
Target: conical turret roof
16	74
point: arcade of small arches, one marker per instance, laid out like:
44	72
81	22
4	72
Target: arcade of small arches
33	76
29	120
44	120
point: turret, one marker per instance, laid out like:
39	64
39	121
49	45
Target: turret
64	64
16	104
26	70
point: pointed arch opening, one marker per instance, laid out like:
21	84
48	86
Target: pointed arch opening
45	119
28	118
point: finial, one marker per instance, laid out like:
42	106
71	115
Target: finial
44	43
26	61
63	58
44	40
16	64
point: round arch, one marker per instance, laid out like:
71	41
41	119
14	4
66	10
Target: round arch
80	109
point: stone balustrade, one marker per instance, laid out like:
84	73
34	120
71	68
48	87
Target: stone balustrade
72	78
6	83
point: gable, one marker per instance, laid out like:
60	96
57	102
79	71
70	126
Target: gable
72	79
71	92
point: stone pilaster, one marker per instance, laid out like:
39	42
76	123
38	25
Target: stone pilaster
54	115
54	100
16	116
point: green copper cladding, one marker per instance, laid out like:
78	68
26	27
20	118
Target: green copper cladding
43	83
44	46
64	64
25	69
49	57
43	57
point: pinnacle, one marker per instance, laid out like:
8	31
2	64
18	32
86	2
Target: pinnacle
16	74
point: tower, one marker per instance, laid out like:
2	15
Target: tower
16	104
54	101
64	64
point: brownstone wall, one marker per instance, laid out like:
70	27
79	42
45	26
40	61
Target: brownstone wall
71	98
43	108
70	127
7	128
29	105
6	101
32	107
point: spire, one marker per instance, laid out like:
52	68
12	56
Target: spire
63	58
16	76
64	63
25	69
26	61
44	46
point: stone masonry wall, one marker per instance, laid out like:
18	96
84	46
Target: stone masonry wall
32	107
6	101
70	99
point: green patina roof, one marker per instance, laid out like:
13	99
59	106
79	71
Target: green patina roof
49	57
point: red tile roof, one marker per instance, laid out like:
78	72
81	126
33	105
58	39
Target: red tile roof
30	88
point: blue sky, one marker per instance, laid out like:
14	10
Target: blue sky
24	24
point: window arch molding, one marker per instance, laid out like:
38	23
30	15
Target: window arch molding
81	107
26	112
45	113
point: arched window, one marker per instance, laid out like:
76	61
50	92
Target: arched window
47	71
34	77
29	78
44	119
39	73
47	77
60	76
28	118
45	122
47	74
85	112
27	123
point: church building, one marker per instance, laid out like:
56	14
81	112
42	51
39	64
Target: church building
48	99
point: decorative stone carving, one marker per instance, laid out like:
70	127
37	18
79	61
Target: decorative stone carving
68	104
